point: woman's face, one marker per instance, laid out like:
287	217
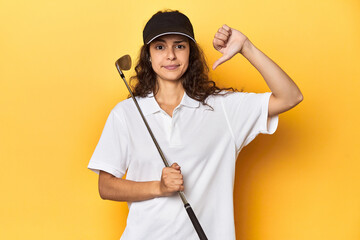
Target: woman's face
169	57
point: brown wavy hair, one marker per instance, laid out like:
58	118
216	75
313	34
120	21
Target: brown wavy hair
195	80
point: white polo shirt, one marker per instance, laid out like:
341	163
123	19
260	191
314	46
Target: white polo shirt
204	142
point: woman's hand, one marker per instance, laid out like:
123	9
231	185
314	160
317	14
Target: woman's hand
229	42
171	180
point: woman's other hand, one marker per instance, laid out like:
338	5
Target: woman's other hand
171	180
229	42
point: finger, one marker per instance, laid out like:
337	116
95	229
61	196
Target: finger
221	60
172	180
171	172
219	44
178	182
180	187
173	183
177	176
227	28
224	32
221	36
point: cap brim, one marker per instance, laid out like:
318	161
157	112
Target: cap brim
167	33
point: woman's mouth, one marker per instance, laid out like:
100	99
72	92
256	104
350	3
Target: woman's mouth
171	67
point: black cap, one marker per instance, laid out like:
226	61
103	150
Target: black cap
163	23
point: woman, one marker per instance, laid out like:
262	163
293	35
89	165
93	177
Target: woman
200	128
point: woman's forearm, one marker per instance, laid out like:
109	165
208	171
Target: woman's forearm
281	85
118	189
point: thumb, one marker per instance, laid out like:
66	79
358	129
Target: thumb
175	166
221	60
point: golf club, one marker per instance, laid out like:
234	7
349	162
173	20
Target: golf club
124	63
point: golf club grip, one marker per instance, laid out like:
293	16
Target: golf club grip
195	222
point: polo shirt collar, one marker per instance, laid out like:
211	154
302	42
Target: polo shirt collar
189	102
149	104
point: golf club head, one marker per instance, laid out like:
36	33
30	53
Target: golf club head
124	63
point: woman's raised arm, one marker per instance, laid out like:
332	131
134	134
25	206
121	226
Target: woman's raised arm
285	93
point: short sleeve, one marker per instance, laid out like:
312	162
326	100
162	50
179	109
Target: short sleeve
111	152
247	116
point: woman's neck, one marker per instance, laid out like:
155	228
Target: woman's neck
170	93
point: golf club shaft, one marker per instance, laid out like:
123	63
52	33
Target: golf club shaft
187	206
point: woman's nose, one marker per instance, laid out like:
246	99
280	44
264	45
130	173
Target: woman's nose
171	54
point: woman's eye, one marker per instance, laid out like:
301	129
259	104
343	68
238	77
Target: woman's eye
159	47
180	46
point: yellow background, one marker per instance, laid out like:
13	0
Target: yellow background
58	84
